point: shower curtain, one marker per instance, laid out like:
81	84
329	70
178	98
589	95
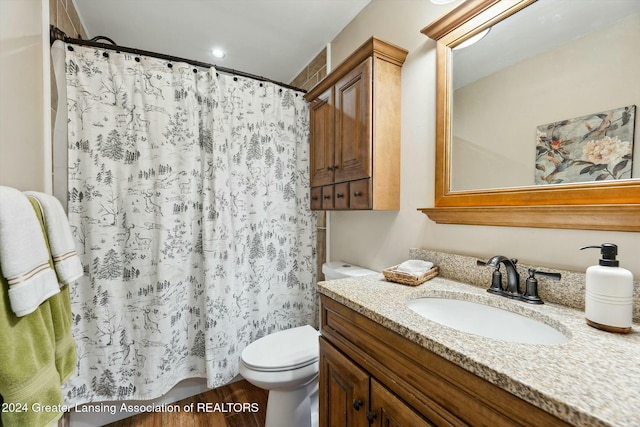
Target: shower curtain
188	198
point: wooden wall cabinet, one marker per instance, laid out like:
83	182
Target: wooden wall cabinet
355	131
368	372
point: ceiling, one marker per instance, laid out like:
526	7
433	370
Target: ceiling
271	38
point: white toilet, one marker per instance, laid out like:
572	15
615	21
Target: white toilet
287	363
341	270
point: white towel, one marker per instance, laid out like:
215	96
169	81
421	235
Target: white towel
24	257
414	267
63	248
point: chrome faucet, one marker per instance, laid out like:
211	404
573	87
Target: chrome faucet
513	278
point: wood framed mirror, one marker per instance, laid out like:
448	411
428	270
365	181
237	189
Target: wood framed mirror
598	204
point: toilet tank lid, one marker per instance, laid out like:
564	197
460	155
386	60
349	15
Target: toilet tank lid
344	269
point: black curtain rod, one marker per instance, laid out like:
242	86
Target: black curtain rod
57	34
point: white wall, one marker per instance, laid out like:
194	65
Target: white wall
25	154
380	239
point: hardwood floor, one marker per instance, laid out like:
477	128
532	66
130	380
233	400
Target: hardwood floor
238	404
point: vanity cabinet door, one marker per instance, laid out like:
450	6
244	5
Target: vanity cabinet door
389	411
344	390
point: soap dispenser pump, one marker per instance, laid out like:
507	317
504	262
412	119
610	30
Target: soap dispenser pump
609	292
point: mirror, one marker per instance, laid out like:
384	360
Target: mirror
516	110
550	63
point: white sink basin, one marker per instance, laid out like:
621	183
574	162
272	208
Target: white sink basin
486	321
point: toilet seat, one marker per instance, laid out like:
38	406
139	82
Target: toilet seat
283	351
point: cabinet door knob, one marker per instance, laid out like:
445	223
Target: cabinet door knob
327	197
329	168
371	416
339	195
314	198
357	404
357	194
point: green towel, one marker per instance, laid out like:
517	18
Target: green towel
37	354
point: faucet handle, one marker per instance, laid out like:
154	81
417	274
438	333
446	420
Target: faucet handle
496	279
496	282
550	275
531	292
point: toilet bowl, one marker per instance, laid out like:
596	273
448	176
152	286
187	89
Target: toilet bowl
286	363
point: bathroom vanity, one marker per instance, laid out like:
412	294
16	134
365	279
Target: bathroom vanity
383	364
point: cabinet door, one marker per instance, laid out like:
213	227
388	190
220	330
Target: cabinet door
344	390
341	196
327	197
316	198
360	194
321	116
353	123
387	410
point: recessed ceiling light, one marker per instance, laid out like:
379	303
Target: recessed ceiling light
218	53
474	39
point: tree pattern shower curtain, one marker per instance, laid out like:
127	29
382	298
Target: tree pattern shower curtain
188	197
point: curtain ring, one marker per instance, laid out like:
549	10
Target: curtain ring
70	48
195	70
170	65
105	54
137	59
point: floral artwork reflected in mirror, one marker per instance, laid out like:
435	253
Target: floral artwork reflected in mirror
595	147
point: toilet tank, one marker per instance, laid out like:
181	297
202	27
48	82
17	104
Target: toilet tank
339	270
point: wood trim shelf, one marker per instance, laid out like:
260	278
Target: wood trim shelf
581	217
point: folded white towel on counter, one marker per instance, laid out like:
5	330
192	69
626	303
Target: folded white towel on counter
414	267
63	248
24	257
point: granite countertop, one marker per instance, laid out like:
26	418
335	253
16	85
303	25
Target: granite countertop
592	380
